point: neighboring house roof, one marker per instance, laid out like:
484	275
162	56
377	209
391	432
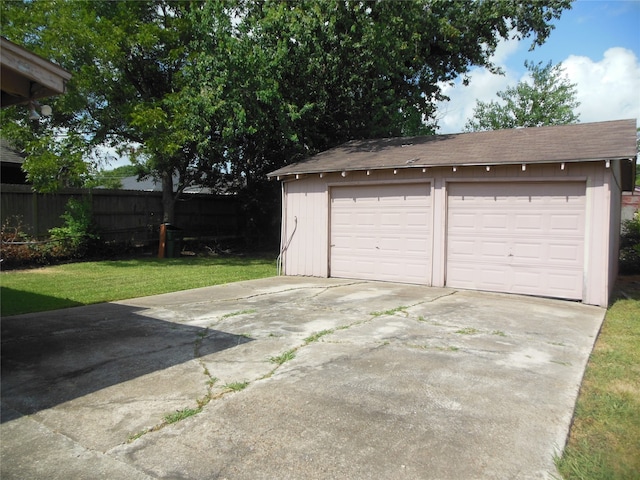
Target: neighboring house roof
8	154
152	185
11	161
566	143
27	76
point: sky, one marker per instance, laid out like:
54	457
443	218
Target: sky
598	44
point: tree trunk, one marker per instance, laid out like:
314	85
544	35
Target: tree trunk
168	198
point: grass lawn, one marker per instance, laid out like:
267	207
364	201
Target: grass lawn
604	442
85	283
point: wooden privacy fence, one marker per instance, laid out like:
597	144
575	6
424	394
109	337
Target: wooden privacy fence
121	215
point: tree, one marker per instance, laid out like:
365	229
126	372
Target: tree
227	90
548	99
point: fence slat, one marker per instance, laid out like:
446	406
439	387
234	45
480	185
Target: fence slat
122	215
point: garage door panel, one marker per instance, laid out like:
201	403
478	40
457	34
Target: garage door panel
565	252
569	222
388	235
494	249
523	237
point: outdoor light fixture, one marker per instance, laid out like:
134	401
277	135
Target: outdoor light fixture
45	110
33	115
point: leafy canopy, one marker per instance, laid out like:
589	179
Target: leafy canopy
223	91
547	99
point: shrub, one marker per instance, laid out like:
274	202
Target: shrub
630	246
77	238
78	234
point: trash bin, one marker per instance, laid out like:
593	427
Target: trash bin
173	241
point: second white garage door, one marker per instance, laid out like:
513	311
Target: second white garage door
517	237
381	232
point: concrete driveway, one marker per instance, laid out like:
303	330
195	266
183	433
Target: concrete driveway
377	380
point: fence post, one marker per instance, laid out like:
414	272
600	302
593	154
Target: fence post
163	238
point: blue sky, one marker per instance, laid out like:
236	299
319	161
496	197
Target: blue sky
598	43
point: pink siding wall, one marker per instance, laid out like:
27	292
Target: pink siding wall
307	199
305	227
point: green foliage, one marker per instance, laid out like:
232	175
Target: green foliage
179	415
78	230
629	260
317	336
112	178
547	99
283	357
223	91
236	386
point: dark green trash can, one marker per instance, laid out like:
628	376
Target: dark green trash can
173	241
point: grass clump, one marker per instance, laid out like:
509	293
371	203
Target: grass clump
284	357
181	415
604	442
468	331
85	283
391	311
317	336
236	386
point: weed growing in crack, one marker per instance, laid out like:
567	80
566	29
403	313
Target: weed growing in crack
391	311
181	415
450	348
317	336
236	386
284	357
500	333
235	314
468	331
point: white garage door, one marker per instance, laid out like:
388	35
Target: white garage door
381	232
517	238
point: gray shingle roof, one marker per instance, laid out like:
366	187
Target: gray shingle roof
8	154
566	143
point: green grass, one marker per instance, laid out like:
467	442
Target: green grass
181	415
604	442
317	336
236	386
85	283
284	357
389	312
468	331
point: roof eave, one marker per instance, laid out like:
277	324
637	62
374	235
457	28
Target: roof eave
288	173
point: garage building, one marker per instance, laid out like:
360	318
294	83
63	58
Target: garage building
530	211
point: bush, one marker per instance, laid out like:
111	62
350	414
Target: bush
77	238
19	249
629	259
78	234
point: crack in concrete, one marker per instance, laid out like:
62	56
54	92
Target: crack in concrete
210	379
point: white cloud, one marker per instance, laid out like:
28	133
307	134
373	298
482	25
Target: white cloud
608	89
453	115
483	85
